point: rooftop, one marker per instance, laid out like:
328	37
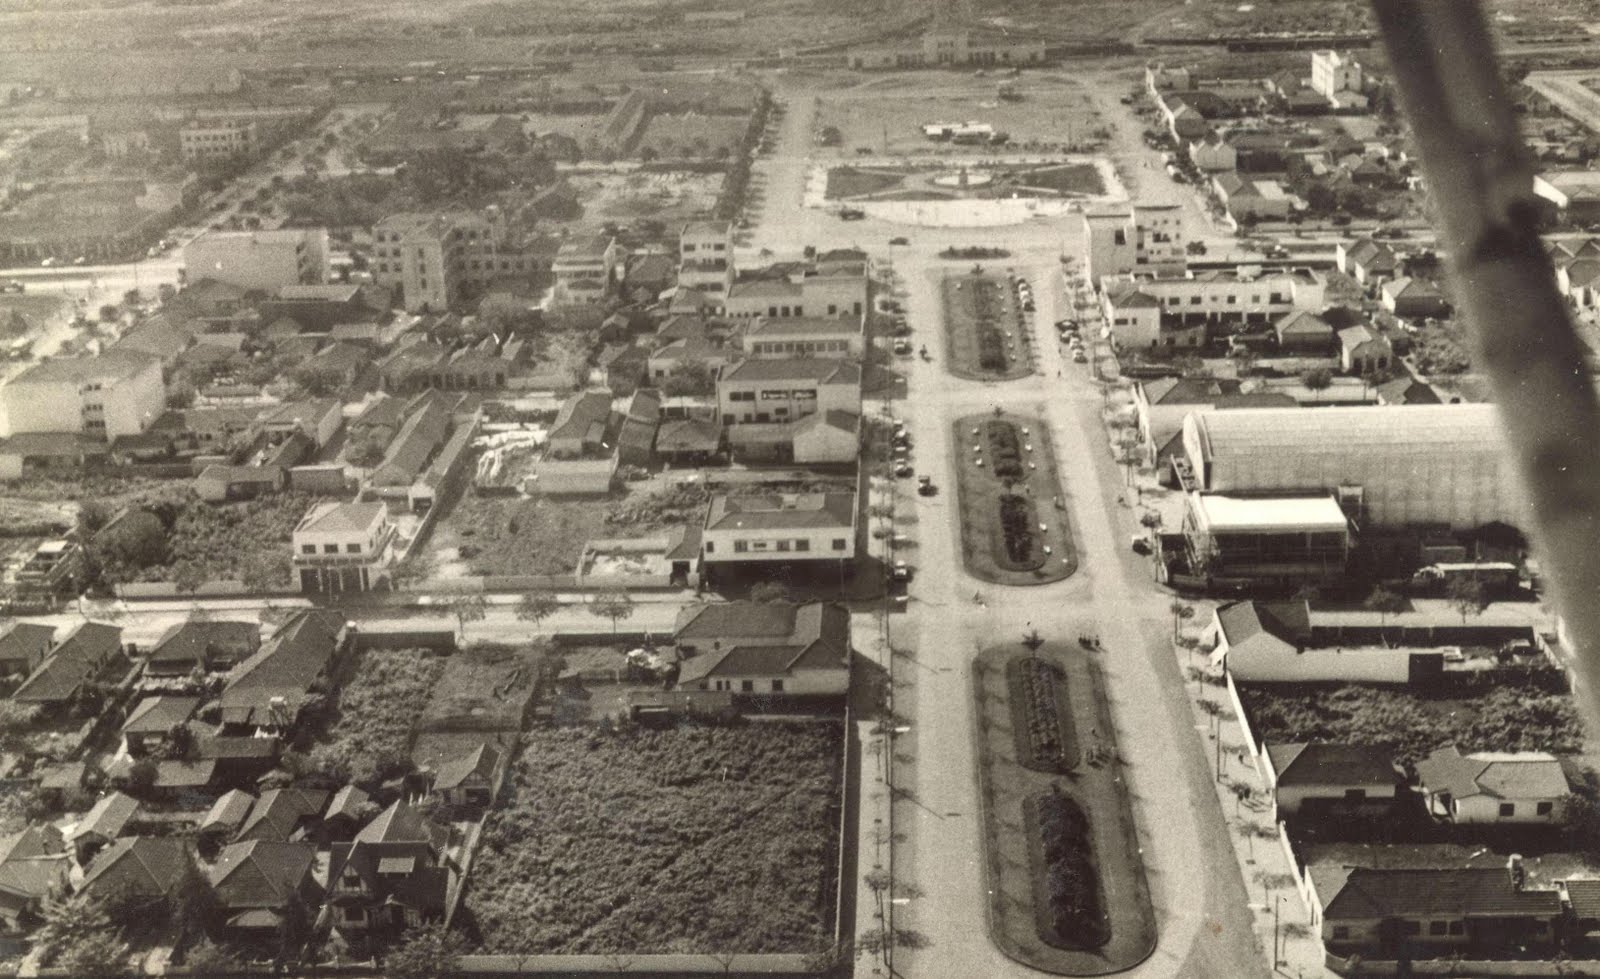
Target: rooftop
784	511
1239	514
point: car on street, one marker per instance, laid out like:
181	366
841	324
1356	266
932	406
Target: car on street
899	240
925	486
901	329
48	263
900	572
902	469
902	348
14	286
1079	357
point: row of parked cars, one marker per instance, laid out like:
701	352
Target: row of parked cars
1070	332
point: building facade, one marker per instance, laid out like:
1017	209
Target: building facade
114	394
705	257
264	260
432	258
205	142
1141	238
343	547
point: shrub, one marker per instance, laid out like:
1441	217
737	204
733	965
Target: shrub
1074	903
1017	530
1045	737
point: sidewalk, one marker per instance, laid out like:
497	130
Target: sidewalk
1282	921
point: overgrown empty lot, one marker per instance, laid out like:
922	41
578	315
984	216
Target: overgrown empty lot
693	839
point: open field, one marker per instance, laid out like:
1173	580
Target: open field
886	119
482	688
673	198
1076	903
370	737
693	839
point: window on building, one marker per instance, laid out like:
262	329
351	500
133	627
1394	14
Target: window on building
1436	927
741	547
783	545
308	548
802	544
711	546
777	686
1545	808
352	548
839	543
747	686
330	548
1508	809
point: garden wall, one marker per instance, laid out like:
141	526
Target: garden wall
1237	704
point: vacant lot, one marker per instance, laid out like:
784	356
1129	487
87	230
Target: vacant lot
673	197
1512	717
369	738
482	688
887	118
539	535
692	135
696	840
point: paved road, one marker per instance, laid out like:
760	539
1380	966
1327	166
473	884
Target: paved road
1205	924
1566	90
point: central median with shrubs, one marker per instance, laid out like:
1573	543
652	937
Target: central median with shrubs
1014	526
1063	865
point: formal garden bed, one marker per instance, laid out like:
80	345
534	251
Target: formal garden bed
1041	715
987	337
1014	526
1063	865
694	839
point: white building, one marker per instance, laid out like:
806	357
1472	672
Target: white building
202	141
804	336
842	294
1146	310
264	260
1143	238
705	257
342	547
1498	787
586	270
794	528
431	257
764	648
763	391
1333	72
1323	773
1391	465
119	392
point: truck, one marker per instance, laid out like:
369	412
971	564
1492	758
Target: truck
1497	577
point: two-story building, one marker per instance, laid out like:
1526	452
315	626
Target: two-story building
1188	310
761	535
395	874
586	269
791	410
804	336
343	547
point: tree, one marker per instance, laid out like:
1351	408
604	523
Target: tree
366	453
1385	603
141	776
467	608
536	606
1180	611
1317	379
109	313
265	572
770	592
424	953
206	959
68	923
1242	792
613	604
188	576
99	954
180	741
1469	596
690	379
138	540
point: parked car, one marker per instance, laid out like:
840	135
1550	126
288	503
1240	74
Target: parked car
902	348
899	240
1079	357
900	572
902	469
925	486
14	286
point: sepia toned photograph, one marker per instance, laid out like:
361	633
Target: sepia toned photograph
799	489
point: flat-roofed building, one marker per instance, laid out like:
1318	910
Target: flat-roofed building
1388	465
430	257
265	260
1145	310
1141	237
781	529
804	336
204	142
1266	539
705	257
